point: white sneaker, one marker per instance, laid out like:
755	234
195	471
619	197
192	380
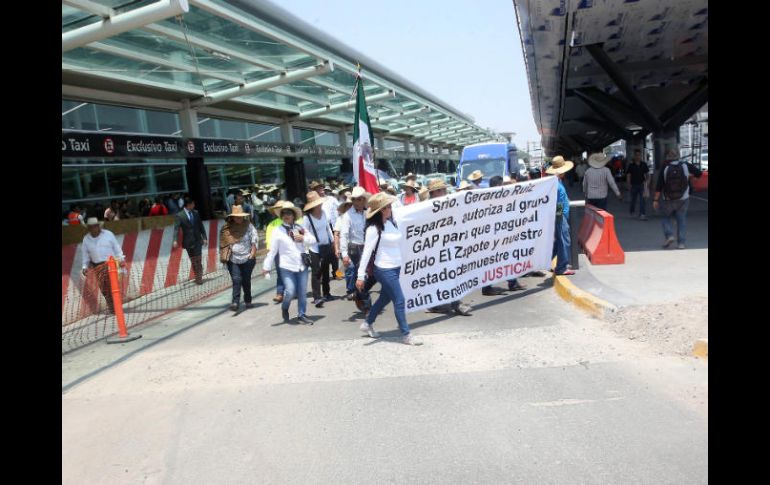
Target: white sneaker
409	340
369	329
668	242
680	246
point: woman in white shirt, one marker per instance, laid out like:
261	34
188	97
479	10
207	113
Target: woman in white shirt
382	244
239	238
291	242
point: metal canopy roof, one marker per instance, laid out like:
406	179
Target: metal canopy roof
246	57
604	70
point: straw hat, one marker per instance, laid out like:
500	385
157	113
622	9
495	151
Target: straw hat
377	202
411	176
315	185
596	160
358	192
476	175
464	185
289	205
411	184
313	200
437	184
245	192
93	221
344	206
423	193
276	209
237	211
558	165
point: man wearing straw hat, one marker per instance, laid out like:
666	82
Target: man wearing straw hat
475	179
562	238
98	245
352	226
322	252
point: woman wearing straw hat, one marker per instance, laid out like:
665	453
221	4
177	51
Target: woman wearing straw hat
382	247
238	243
597	179
562	243
291	242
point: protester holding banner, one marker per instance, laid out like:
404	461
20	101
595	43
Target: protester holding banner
291	242
497	181
561	247
437	188
475	179
382	259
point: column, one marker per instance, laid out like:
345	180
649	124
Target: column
343	141
197	175
293	168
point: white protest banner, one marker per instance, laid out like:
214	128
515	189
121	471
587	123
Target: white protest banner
458	243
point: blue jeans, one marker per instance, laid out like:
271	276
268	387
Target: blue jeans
638	190
391	291
241	276
350	278
678	209
295	283
279	276
561	245
600	203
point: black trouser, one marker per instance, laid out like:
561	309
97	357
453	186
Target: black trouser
101	272
195	259
335	265
320	272
241	276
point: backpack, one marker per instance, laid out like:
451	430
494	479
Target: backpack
675	183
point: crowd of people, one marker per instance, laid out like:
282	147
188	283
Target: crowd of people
308	240
118	210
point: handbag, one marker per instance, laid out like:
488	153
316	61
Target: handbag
370	265
324	250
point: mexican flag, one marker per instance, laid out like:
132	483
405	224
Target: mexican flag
363	143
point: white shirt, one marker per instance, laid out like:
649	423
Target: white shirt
288	249
329	207
99	249
321	227
351	229
388	252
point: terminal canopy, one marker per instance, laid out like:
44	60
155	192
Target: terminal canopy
243	56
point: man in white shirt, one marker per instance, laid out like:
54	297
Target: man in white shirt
98	245
330	206
352	237
321	253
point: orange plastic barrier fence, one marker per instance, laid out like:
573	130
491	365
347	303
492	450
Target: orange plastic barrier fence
598	239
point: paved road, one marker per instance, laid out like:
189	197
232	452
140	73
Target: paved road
527	390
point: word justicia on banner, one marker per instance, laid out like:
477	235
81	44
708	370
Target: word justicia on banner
461	242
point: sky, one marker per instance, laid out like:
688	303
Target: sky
465	52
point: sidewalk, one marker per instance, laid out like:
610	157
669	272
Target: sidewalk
651	274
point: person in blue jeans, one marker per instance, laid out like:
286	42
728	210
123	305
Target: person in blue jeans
238	237
291	242
382	245
561	244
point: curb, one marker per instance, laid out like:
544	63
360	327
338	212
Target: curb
581	298
701	348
